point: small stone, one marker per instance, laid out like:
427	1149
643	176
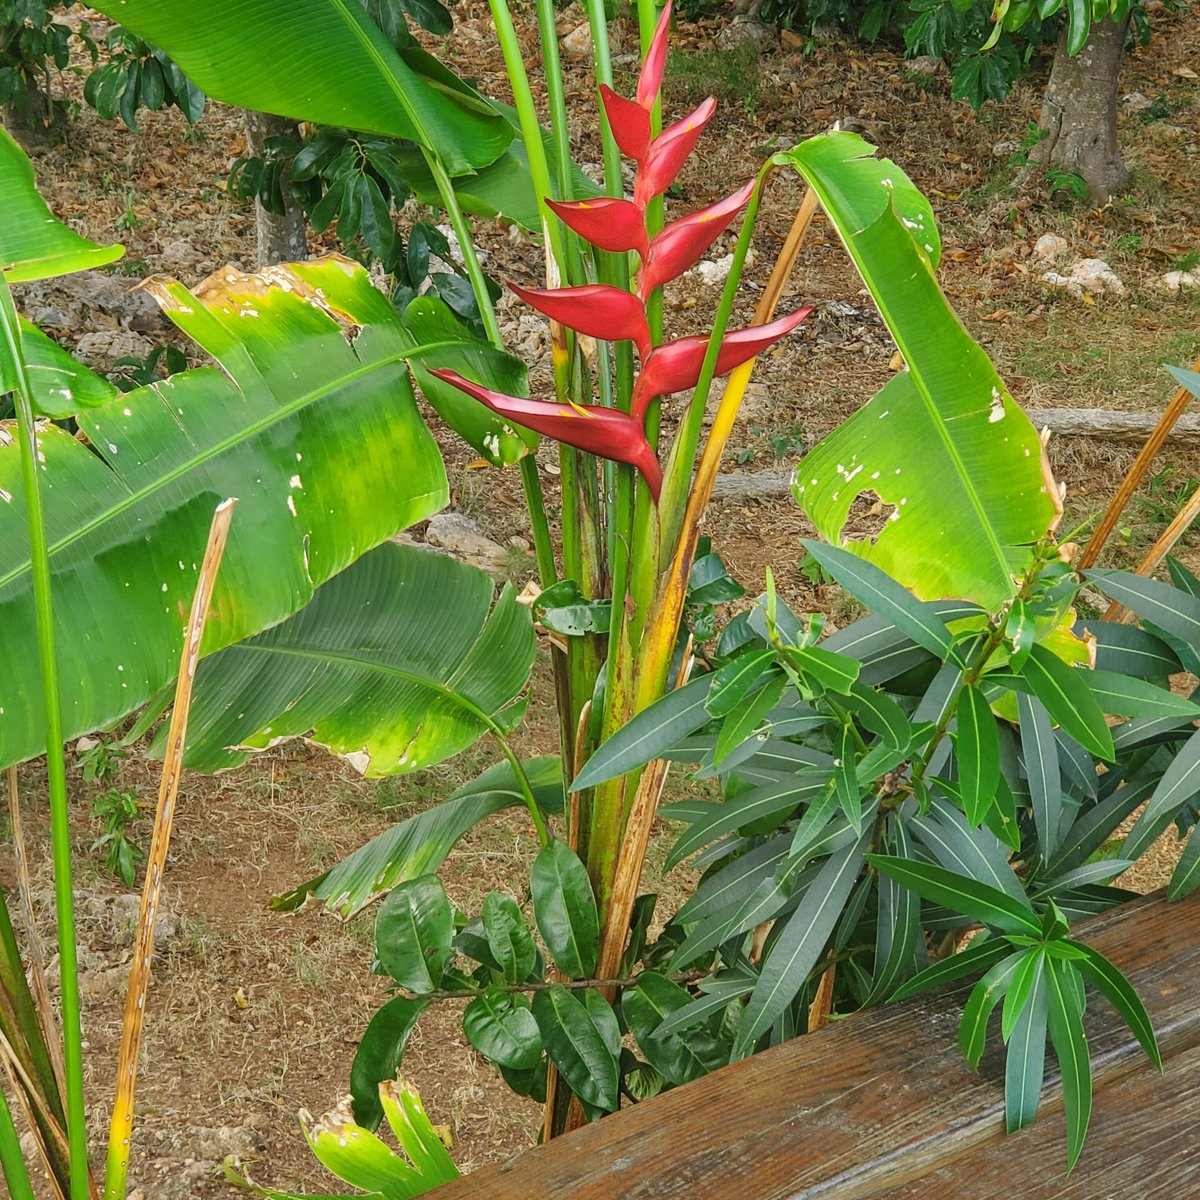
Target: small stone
746	31
1092	276
106	346
579	41
179	256
1050	248
464	540
1135	102
927	64
1178	281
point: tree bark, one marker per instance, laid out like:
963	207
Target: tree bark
1079	114
280	238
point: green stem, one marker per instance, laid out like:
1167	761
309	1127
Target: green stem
535	813
16	1174
487	312
60	832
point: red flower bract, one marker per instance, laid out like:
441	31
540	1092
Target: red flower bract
629	122
615	225
669	151
602	431
680	245
651	75
609	313
675	366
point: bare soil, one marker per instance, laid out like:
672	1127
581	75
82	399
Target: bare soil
254	1016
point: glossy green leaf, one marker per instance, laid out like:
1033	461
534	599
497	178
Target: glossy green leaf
330	65
397	663
678	1058
1025	1063
800	944
320	441
1071	1049
413	933
565	909
977	749
419	844
943	441
881	715
881	593
1095	826
651	733
1084	876
510	942
963	850
833	672
61	385
740	726
1180	782
733	682
977	900
577	1046
501	1027
1069	700
1128	650
379	1055
33	243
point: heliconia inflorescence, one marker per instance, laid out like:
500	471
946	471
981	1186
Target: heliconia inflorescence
618	225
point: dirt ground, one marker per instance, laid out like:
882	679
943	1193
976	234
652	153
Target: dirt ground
254	1016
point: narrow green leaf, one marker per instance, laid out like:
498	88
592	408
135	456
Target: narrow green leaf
734	681
985	995
577	1047
1186	876
1040	751
977	900
1070	1045
1179	783
1170	609
649	734
1125	696
741	725
413	933
965	851
881	715
1101	973
845	778
1025	1063
799	945
835	672
978	752
565	909
1181	577
1069	700
1024	981
502	1028
1128	650
981	954
882	594
899	920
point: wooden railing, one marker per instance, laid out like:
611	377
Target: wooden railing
882	1105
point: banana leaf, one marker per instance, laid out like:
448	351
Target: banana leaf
323	61
318	437
397	663
33	243
943	442
61	385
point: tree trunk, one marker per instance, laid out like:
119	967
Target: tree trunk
1079	113
280	238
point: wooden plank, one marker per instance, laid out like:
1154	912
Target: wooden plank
870	1104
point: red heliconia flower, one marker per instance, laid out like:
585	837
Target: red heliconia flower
668	152
606	432
616	225
609	313
680	245
651	75
629	122
675	366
